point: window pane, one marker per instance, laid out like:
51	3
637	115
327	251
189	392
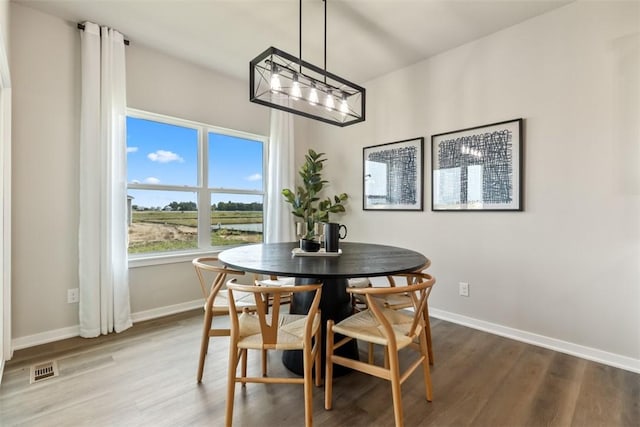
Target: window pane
235	162
236	219
161	221
161	153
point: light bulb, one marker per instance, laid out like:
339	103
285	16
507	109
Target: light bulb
313	95
296	93
344	107
275	80
328	103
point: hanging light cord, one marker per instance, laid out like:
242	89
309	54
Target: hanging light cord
325	40
300	36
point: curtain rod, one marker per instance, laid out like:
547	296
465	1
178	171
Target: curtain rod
81	27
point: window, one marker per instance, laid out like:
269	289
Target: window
192	186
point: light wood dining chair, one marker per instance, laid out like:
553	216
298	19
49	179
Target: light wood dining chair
357	303
274	331
398	301
212	278
403	300
276	281
393	329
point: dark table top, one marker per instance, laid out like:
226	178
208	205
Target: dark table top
356	260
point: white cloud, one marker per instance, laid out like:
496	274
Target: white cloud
163	156
254	177
135	181
132	149
152	180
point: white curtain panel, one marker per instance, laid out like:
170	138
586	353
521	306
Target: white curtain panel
279	220
103	269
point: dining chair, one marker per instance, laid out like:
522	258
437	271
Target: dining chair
395	330
276	281
358	282
265	331
399	301
212	278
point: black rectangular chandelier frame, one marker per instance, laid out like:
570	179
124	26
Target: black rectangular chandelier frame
291	68
285	82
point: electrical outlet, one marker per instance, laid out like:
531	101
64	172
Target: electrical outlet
463	289
72	295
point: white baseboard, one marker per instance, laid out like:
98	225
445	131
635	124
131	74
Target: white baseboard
45	337
166	311
74	331
615	360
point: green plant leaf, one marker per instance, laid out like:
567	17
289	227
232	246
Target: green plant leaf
305	202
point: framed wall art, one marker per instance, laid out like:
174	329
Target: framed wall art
393	176
478	169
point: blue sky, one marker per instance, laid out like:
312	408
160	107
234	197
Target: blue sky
164	154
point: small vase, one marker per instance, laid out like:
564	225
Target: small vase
309	245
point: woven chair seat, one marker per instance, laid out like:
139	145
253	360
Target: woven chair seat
221	303
290	331
276	282
364	326
395	301
359	282
280	281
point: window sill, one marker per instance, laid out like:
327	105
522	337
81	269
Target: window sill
172	258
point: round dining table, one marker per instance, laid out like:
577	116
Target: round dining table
332	269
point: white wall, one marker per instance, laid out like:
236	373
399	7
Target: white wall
46	92
568	267
46	65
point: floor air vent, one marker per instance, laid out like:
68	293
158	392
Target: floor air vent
43	371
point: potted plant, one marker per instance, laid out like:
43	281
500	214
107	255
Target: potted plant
307	204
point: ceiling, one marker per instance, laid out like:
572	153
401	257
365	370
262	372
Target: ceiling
365	38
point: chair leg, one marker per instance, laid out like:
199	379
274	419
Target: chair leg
231	383
427	326
264	363
243	356
318	358
204	343
396	390
370	355
328	371
425	365
307	361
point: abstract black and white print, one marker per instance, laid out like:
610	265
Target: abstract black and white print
492	151
393	175
474	169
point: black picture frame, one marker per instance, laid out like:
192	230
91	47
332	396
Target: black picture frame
392	176
478	168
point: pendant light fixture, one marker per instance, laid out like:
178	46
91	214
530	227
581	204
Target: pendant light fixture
280	80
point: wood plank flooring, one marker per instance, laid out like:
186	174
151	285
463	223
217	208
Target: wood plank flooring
146	376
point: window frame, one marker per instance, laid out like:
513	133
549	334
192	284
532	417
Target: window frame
202	189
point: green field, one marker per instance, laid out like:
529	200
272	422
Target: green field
191	218
163	231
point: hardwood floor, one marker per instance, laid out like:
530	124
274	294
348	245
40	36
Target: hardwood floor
146	376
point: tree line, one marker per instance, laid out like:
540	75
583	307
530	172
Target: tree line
236	206
191	206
